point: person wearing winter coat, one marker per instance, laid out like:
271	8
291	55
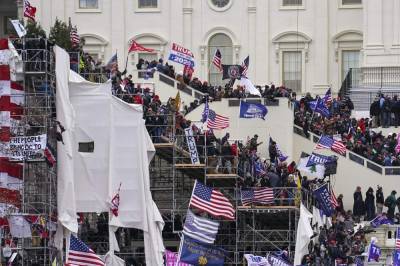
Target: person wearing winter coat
358	206
370	204
380	199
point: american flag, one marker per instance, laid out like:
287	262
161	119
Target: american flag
326	142
214	120
200	228
217	60
29	11
260	195
112	62
398	238
328	97
80	254
245	66
334	202
211	201
75	39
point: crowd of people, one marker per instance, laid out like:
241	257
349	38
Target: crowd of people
359	135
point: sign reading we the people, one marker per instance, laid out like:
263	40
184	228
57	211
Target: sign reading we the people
27	147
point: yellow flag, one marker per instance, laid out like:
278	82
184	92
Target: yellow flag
178	101
54	262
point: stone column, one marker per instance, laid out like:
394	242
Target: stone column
373	24
187	23
396	24
118	39
252	10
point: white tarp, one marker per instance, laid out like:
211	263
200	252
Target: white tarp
121	155
304	232
66	203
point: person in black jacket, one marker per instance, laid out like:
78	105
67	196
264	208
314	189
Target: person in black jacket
396	110
370	204
374	112
380	199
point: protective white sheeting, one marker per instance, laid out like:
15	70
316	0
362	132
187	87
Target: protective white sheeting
66	203
113	260
121	155
304	232
249	87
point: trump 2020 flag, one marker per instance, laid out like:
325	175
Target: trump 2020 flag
374	252
379	220
252	110
319	106
323	196
316	158
197	253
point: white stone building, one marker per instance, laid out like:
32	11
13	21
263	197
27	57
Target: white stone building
308	45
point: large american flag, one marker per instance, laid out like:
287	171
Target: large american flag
328	97
75	39
245	66
214	120
217	60
260	195
200	228
334	202
326	142
29	11
80	254
211	201
398	238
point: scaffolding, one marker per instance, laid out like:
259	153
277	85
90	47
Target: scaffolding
39	178
257	230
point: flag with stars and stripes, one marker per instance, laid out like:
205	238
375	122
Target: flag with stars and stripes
328	97
75	39
326	142
200	228
217	60
398	238
245	66
334	202
211	201
80	254
214	120
259	195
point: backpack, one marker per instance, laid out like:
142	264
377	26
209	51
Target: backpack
387	202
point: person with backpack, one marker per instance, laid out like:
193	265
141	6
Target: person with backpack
390	202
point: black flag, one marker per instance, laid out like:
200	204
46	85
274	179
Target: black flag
231	71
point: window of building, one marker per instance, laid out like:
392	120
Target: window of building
351	2
86	146
88	4
145	4
292	3
292	70
224	44
350	59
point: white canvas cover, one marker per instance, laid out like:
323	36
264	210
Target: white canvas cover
304	232
121	155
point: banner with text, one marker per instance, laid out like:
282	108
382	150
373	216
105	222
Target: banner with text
191	142
27	147
181	55
171	259
197	253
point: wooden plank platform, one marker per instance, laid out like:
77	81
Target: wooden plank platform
162	145
189	165
221	176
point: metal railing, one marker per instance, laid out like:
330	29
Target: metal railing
373	77
383	170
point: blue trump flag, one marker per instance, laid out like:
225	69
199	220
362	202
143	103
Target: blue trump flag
323	196
316	158
396	257
319	107
252	110
379	220
194	252
374	252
